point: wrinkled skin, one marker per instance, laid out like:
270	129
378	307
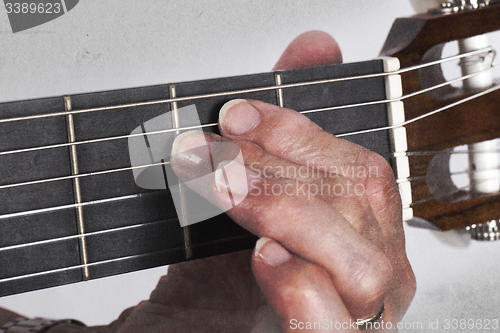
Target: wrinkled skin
327	257
322	257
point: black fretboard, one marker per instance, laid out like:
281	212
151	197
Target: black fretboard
128	228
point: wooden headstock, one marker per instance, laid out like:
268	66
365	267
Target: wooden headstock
416	40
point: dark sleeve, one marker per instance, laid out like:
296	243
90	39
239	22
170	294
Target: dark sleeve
7	316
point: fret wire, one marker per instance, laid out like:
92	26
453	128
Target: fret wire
77	193
131	257
88	234
250	90
342	135
102	262
279	92
186	230
333	108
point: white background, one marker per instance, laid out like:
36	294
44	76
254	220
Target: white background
110	44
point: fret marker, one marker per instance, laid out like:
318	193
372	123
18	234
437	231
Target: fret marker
77	193
399	143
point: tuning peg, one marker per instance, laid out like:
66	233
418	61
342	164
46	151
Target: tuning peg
423	6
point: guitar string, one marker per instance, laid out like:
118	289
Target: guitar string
465	187
104	172
477	181
487	50
114	260
444	151
455	173
118	229
334	108
407	122
424	200
134	196
82	204
410	154
94	233
102	262
86	234
473	96
143	166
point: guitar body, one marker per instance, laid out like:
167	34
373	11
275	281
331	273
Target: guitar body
100	62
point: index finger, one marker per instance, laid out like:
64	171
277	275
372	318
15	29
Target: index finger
293	137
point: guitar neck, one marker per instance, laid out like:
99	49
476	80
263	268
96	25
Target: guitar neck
69	214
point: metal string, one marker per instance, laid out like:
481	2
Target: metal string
75	205
465	172
250	90
428	114
102	262
435	152
131	168
104	201
333	108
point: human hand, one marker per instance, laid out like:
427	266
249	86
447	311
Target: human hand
322	257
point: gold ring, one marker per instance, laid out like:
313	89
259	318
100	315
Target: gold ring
364	324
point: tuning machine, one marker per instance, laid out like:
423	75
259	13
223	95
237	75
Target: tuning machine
488	231
455	6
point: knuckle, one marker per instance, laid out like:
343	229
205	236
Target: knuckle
303	290
373	280
382	189
410	282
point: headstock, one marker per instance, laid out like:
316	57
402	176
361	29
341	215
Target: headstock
420	39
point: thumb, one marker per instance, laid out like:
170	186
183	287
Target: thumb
310	49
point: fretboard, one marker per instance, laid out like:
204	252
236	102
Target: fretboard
123	227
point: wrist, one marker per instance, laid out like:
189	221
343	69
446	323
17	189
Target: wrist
7	316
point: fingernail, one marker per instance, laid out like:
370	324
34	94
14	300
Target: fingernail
232	176
190	148
238	117
270	252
